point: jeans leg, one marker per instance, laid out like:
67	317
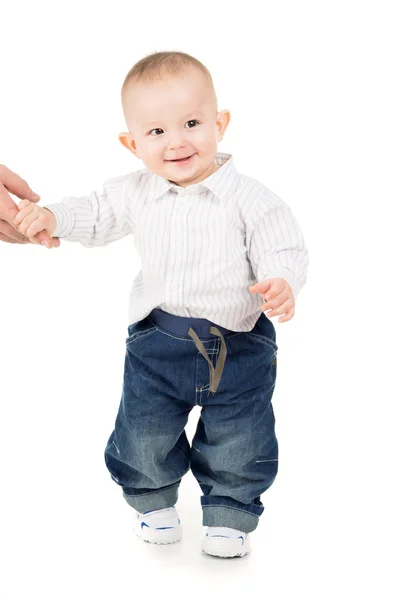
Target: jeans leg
234	454
148	452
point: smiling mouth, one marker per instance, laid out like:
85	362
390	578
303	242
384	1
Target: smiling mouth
180	159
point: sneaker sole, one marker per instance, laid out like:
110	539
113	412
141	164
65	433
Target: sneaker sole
157	536
225	548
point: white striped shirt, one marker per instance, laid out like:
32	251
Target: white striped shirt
201	246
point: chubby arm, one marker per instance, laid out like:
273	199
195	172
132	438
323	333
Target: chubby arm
275	243
94	220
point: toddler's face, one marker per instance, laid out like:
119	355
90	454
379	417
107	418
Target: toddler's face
175	118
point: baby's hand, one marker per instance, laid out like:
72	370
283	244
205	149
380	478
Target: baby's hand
32	219
278	296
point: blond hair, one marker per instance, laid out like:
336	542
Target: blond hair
156	65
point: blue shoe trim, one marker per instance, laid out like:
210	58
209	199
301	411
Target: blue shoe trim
146	525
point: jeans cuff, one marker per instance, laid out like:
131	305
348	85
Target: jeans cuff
217	515
152	500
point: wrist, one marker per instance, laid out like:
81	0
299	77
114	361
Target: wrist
52	221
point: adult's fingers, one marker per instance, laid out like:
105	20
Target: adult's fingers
12	235
4	238
43	236
11	182
16	185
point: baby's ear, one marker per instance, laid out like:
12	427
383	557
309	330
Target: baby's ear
127	141
223	119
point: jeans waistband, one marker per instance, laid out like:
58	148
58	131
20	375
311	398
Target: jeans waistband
181	325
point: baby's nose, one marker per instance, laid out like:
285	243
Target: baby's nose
176	140
176	144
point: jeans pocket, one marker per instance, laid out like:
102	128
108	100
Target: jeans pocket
264	332
138	330
262	339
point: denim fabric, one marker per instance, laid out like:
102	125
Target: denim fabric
234	453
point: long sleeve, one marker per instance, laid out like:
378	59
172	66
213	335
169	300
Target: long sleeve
274	242
98	219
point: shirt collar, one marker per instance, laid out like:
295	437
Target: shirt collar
214	182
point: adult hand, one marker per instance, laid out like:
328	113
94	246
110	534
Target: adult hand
11	182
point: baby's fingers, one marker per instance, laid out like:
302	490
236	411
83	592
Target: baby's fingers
35	228
24	211
24	204
26	222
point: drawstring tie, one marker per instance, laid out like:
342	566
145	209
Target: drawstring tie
215	373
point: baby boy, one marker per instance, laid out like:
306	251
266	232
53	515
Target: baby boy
198	333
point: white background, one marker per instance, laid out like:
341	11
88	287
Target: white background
312	89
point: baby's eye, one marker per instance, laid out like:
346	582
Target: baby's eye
192	121
157	129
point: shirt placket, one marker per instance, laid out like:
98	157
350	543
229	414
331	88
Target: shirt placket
179	239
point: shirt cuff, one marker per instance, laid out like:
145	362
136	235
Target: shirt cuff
64	219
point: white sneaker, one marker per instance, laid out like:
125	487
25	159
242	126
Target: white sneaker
226	542
158	526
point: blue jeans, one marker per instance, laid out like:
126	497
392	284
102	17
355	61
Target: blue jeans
172	364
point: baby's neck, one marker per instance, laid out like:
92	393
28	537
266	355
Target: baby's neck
215	168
